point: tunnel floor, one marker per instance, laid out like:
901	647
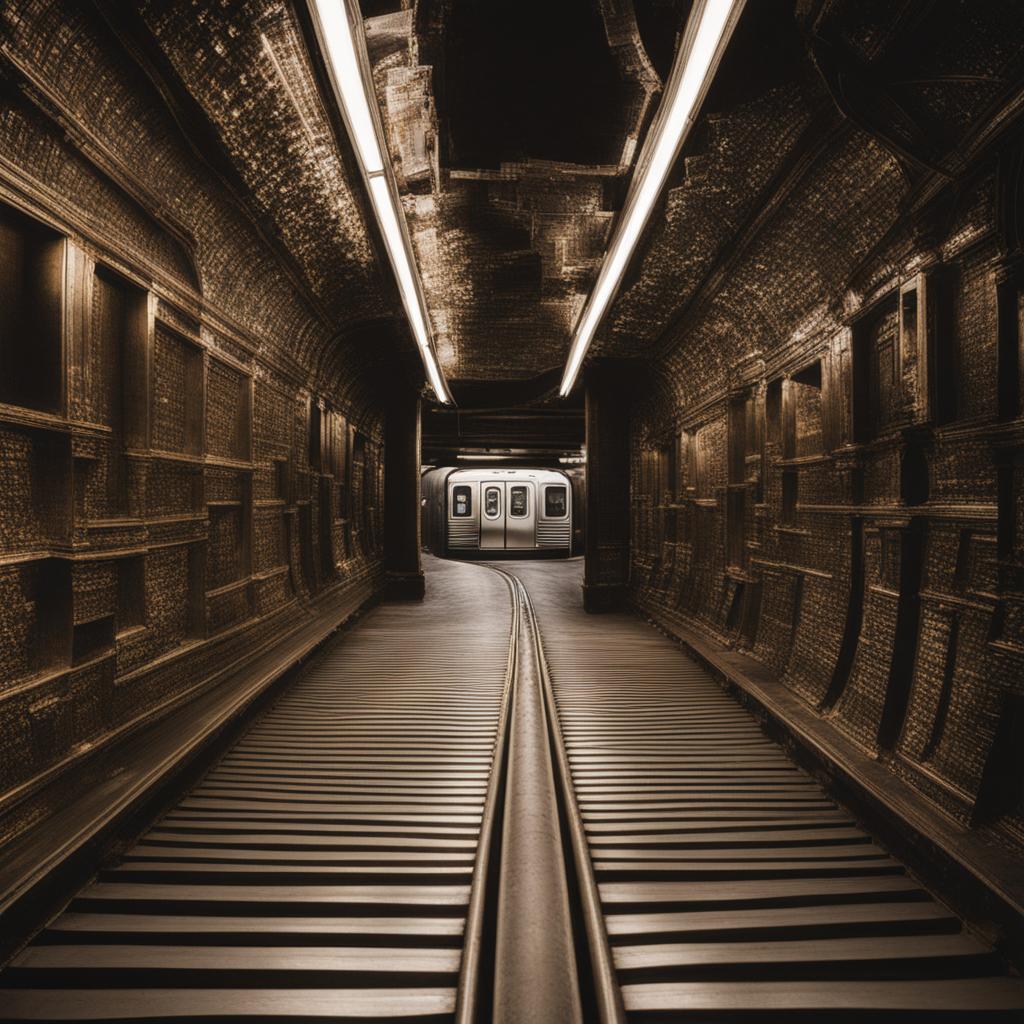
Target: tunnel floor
324	867
731	884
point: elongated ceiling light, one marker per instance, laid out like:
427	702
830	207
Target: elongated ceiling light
708	29
338	28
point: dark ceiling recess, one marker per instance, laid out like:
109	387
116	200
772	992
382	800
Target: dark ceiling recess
523	416
660	22
540	433
766	51
494	394
374	8
532	78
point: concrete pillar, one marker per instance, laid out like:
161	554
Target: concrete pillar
608	387
402	499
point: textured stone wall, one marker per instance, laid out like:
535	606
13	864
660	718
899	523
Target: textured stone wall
842	499
162	512
828	471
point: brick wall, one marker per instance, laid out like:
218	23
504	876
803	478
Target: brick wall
158	496
870	556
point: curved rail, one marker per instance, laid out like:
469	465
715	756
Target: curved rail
604	997
468	999
606	993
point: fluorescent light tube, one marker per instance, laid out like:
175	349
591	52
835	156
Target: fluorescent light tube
394	241
343	66
384	206
342	51
707	32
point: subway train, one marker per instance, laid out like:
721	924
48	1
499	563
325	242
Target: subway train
498	512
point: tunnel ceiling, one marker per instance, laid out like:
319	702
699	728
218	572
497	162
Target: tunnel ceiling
246	67
513	93
515	143
514	125
824	117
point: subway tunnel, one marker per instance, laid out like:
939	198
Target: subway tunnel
512	511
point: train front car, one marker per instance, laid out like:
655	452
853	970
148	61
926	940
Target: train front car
498	512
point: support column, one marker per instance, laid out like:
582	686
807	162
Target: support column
606	572
402	499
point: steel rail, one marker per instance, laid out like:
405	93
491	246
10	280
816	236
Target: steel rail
607	994
606	997
468	998
324	866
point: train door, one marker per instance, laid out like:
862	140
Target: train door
521	515
508	514
492	515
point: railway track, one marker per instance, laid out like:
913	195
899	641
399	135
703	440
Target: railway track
324	867
731	887
491	807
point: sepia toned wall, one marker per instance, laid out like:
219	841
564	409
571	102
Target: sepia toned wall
827	474
190	465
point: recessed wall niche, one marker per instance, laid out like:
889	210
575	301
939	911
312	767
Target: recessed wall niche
35	619
178	398
805	391
117	368
131	593
315	435
876	372
700	463
228	411
1010	313
773	412
35	499
31	288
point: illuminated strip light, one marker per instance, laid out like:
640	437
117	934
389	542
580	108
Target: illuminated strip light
707	34
344	53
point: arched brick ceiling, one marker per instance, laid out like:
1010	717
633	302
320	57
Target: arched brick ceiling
246	65
780	192
781	198
513	126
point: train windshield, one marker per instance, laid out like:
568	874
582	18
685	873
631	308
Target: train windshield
517	502
462	501
555	502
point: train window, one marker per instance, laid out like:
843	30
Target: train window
555	502
462	501
492	502
517	502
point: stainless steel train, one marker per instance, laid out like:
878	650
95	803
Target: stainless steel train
494	511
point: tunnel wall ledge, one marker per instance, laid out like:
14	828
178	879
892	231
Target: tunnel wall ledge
116	792
980	881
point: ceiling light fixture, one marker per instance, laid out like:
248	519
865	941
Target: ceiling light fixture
338	28
707	34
